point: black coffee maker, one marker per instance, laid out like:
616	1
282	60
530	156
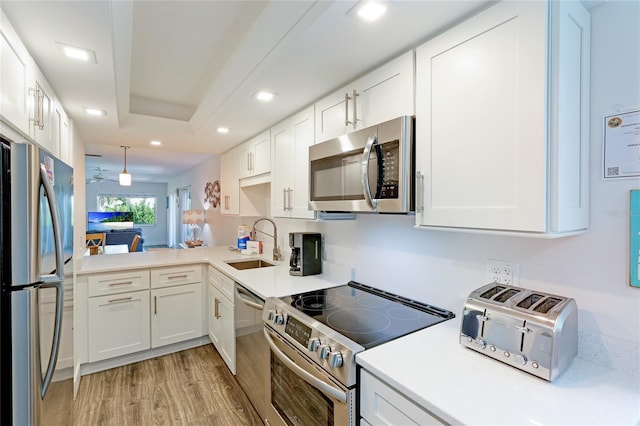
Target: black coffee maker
306	253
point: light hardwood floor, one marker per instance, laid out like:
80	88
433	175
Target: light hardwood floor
192	387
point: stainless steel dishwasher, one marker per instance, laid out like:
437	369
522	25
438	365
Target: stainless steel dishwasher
252	350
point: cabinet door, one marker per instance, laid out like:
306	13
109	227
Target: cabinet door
176	314
386	93
47	308
62	133
381	404
43	115
261	160
245	154
281	175
332	115
229	184
481	138
14	81
118	325
222	327
302	137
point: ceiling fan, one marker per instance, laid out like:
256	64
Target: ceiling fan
98	176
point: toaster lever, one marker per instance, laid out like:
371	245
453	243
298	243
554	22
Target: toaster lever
523	329
482	318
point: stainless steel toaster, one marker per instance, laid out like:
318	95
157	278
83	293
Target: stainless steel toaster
530	330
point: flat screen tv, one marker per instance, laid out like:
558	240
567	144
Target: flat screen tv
109	220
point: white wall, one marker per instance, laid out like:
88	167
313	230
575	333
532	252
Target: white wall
152	234
442	268
219	229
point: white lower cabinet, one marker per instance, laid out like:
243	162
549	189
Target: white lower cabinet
134	310
380	404
222	330
118	325
176	314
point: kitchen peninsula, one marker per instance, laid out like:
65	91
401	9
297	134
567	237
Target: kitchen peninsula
116	293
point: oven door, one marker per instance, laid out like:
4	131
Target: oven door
301	393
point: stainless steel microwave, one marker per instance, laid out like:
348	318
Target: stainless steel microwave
370	170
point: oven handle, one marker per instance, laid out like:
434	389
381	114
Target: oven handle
323	387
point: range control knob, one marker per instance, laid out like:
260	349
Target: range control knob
335	359
480	344
313	344
278	319
271	315
520	359
323	351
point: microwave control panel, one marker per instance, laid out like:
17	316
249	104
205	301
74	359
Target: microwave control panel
389	164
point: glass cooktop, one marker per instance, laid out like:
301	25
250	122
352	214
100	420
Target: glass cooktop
366	315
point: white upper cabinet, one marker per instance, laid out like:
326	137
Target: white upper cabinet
27	102
14	77
381	95
255	156
502	121
290	141
229	184
42	115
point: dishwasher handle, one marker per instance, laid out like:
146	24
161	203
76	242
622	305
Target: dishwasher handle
247	298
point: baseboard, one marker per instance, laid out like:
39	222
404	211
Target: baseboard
107	364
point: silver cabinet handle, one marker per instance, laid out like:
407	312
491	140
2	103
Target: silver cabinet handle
173	277
155	305
284	199
41	103
355	110
419	192
217	308
121	283
346	109
289	206
120	299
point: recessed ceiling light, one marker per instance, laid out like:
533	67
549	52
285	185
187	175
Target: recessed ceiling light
371	10
77	53
223	130
95	111
155	143
264	96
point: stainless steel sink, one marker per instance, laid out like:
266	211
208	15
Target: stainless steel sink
249	264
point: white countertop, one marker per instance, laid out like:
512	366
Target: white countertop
462	386
264	282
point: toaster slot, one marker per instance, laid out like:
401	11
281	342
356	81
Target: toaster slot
506	295
547	305
492	292
529	301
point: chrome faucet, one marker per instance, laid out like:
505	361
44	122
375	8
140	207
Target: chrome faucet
276	249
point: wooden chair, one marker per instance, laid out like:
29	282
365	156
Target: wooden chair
95	241
134	243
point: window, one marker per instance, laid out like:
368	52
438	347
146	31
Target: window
143	207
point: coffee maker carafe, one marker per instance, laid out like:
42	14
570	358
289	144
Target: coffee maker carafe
306	253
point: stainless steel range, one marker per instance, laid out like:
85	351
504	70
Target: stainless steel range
314	338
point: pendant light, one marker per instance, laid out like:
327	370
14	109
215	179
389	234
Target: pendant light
125	177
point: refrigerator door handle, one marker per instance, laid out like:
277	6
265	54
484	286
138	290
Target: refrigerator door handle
52	280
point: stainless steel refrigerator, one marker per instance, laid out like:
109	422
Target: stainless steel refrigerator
36	240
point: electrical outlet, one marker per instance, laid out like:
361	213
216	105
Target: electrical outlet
502	272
